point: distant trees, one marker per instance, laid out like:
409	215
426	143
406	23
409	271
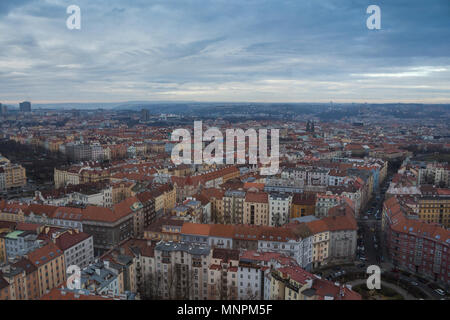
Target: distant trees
38	162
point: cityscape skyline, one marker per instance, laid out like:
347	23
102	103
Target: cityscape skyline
231	51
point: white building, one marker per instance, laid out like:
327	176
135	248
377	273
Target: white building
250	281
279	208
78	247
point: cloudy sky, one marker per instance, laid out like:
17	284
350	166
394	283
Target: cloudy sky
225	50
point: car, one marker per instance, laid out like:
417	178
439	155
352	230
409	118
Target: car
362	258
361	265
375	246
366	218
440	292
413	283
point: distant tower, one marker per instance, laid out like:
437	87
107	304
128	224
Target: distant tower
312	126
145	115
25	106
308	128
3	109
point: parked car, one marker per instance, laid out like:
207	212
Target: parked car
413	283
361	265
440	292
362	258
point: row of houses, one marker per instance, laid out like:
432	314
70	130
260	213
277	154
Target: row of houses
311	243
194	271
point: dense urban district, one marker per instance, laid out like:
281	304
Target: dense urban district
95	189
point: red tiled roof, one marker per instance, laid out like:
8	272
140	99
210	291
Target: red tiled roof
43	255
195	229
258	197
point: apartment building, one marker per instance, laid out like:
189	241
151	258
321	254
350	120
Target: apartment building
288	283
51	268
436	174
279	208
343	234
14	176
303	204
325	202
182	270
294	283
66	176
414	245
164	228
435	208
233	206
78	247
320	242
250	280
148	204
256	209
295	242
223	276
99	278
18	243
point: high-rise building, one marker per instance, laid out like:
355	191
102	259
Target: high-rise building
145	115
25	106
3	109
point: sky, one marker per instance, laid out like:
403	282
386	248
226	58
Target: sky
225	50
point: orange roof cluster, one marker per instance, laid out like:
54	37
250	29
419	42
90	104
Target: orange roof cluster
240	232
90	213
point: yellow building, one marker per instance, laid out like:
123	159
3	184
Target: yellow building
15	176
256	209
169	195
288	283
49	260
435	209
65	177
92	176
321	242
121	191
303	204
13	211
